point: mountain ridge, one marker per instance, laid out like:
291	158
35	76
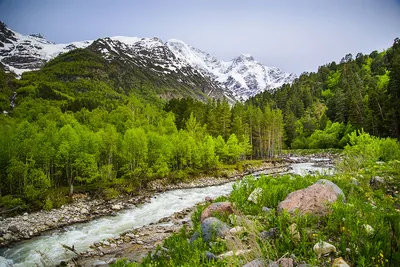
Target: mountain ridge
240	78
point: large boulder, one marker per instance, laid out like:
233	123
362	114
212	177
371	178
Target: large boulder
212	227
216	208
311	200
333	186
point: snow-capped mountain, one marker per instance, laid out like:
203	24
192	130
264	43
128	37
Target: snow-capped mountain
240	78
153	56
243	76
20	53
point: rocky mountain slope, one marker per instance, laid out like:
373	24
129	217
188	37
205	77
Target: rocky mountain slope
238	79
243	75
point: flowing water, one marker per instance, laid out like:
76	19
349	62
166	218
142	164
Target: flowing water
47	247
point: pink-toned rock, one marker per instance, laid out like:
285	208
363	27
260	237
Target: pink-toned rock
209	199
286	262
216	208
310	200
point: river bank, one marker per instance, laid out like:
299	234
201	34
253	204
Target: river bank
84	209
134	244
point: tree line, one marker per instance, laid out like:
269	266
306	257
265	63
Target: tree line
358	93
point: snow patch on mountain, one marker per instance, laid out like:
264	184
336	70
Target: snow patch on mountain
20	53
243	75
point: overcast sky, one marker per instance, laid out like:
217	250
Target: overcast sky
296	36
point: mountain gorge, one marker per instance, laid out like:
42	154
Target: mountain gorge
173	64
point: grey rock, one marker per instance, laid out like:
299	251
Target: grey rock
377	182
13	228
333	186
194	237
270	234
211	227
266	209
255	263
162	252
8	237
209	256
286	262
273	264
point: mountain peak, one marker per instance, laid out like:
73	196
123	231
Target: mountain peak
241	78
37	35
244	57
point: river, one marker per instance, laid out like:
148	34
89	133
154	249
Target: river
47	247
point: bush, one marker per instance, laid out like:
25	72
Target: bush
12	205
110	193
364	150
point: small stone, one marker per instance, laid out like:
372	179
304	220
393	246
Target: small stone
106	243
217	207
255	263
84	211
116	207
340	262
139	242
13	228
112	260
209	256
255	195
25	214
270	234
113	245
194	237
209	199
236	229
379	179
231	253
266	209
285	262
273	264
322	248
7	237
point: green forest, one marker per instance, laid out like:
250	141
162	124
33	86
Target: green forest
77	122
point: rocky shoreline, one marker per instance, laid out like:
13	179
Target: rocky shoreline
84	209
134	244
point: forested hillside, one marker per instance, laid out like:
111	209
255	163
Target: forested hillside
83	120
359	92
79	121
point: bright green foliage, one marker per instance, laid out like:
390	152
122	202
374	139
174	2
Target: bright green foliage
347	226
364	149
363	92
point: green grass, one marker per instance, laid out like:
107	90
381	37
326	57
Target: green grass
344	227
